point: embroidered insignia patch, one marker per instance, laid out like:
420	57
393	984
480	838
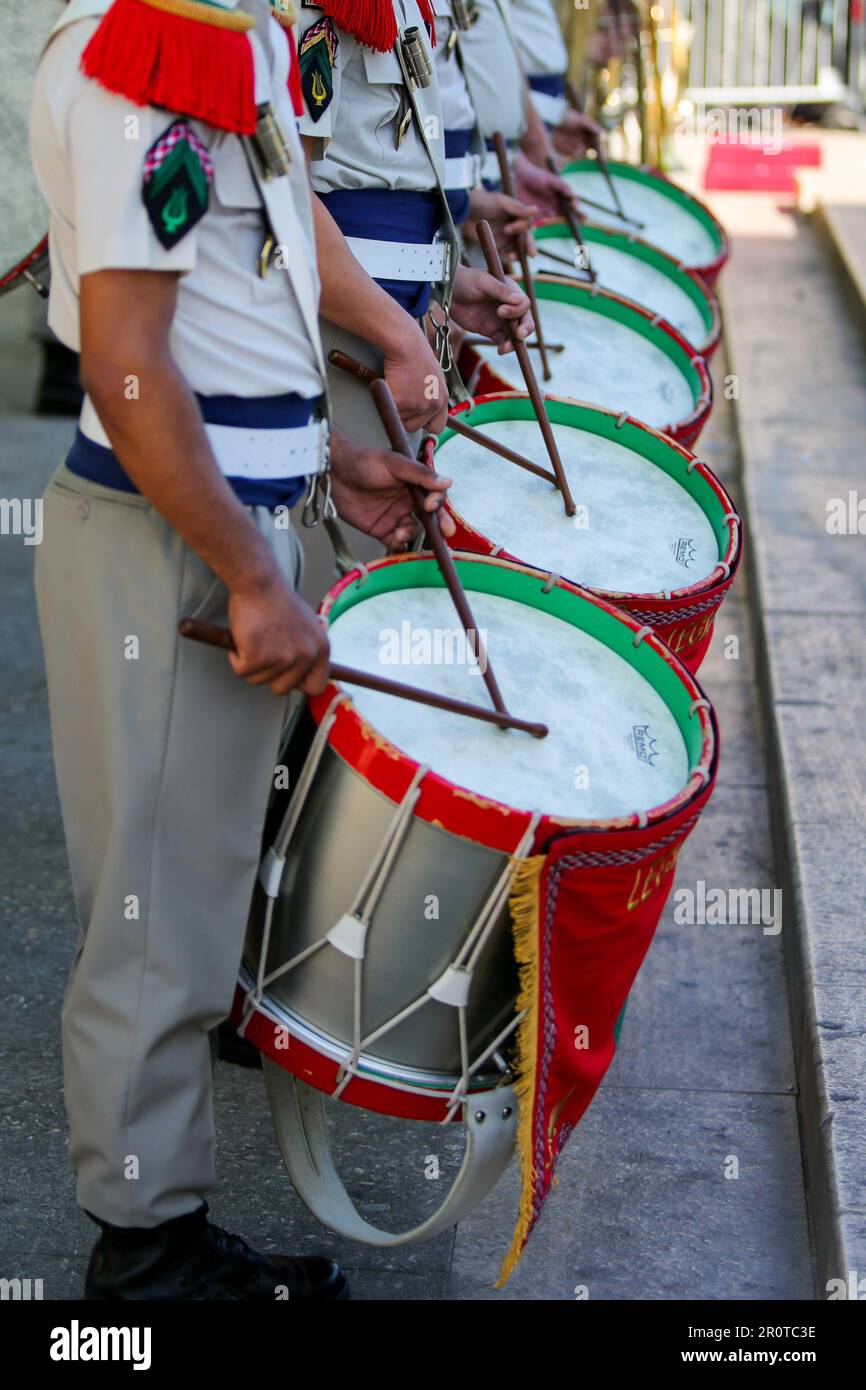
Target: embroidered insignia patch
177	178
317	56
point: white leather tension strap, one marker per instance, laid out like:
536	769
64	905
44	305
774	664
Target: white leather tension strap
400	260
302	1131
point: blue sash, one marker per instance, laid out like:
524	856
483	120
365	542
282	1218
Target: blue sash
457	144
552	84
385	214
98	464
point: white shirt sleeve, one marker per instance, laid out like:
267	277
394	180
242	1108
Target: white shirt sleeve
106	140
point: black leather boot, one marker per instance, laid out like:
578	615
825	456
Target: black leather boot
231	1047
188	1258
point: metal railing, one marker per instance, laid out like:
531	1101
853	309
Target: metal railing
778	51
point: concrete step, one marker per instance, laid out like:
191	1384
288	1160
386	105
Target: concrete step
844	231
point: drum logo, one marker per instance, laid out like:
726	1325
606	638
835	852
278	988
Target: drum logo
642	744
683	551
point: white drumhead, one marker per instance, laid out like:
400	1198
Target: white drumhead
636	530
666	222
604	362
23	214
613	747
633	278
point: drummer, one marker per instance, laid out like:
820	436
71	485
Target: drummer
471	170
545	61
489	58
375	141
204	376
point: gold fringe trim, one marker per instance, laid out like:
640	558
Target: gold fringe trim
206	14
523	901
285	14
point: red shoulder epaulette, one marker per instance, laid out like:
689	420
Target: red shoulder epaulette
371	22
183	55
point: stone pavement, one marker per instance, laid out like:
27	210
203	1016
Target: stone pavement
705	1070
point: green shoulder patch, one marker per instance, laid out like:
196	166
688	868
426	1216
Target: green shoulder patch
317	56
176	187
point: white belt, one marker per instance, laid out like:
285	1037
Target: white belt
399	260
550	109
241	452
462	172
490	167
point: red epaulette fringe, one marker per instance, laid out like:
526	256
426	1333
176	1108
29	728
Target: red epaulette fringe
371	22
154	57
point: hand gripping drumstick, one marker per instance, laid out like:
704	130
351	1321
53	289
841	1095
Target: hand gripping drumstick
508	189
348	364
494	265
215	636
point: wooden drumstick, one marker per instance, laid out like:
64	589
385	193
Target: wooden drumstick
214	636
573	222
476	340
508	189
348	364
470	432
494	265
388	413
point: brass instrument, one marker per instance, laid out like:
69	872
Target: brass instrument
630	59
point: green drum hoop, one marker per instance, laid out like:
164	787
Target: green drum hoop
640	272
674	220
615	354
669	563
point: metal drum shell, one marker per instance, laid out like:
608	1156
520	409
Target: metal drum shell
596	233
481	834
709	270
683	617
482	380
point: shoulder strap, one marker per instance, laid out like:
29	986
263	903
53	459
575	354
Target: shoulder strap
75	10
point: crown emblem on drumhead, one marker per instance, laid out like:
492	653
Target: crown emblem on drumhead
683	550
644	745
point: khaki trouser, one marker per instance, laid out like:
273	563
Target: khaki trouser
165	760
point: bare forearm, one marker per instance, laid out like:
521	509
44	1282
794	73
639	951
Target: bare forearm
161	442
535	143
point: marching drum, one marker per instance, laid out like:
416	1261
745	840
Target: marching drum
671	218
655	532
23	214
637	271
616	354
379	965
